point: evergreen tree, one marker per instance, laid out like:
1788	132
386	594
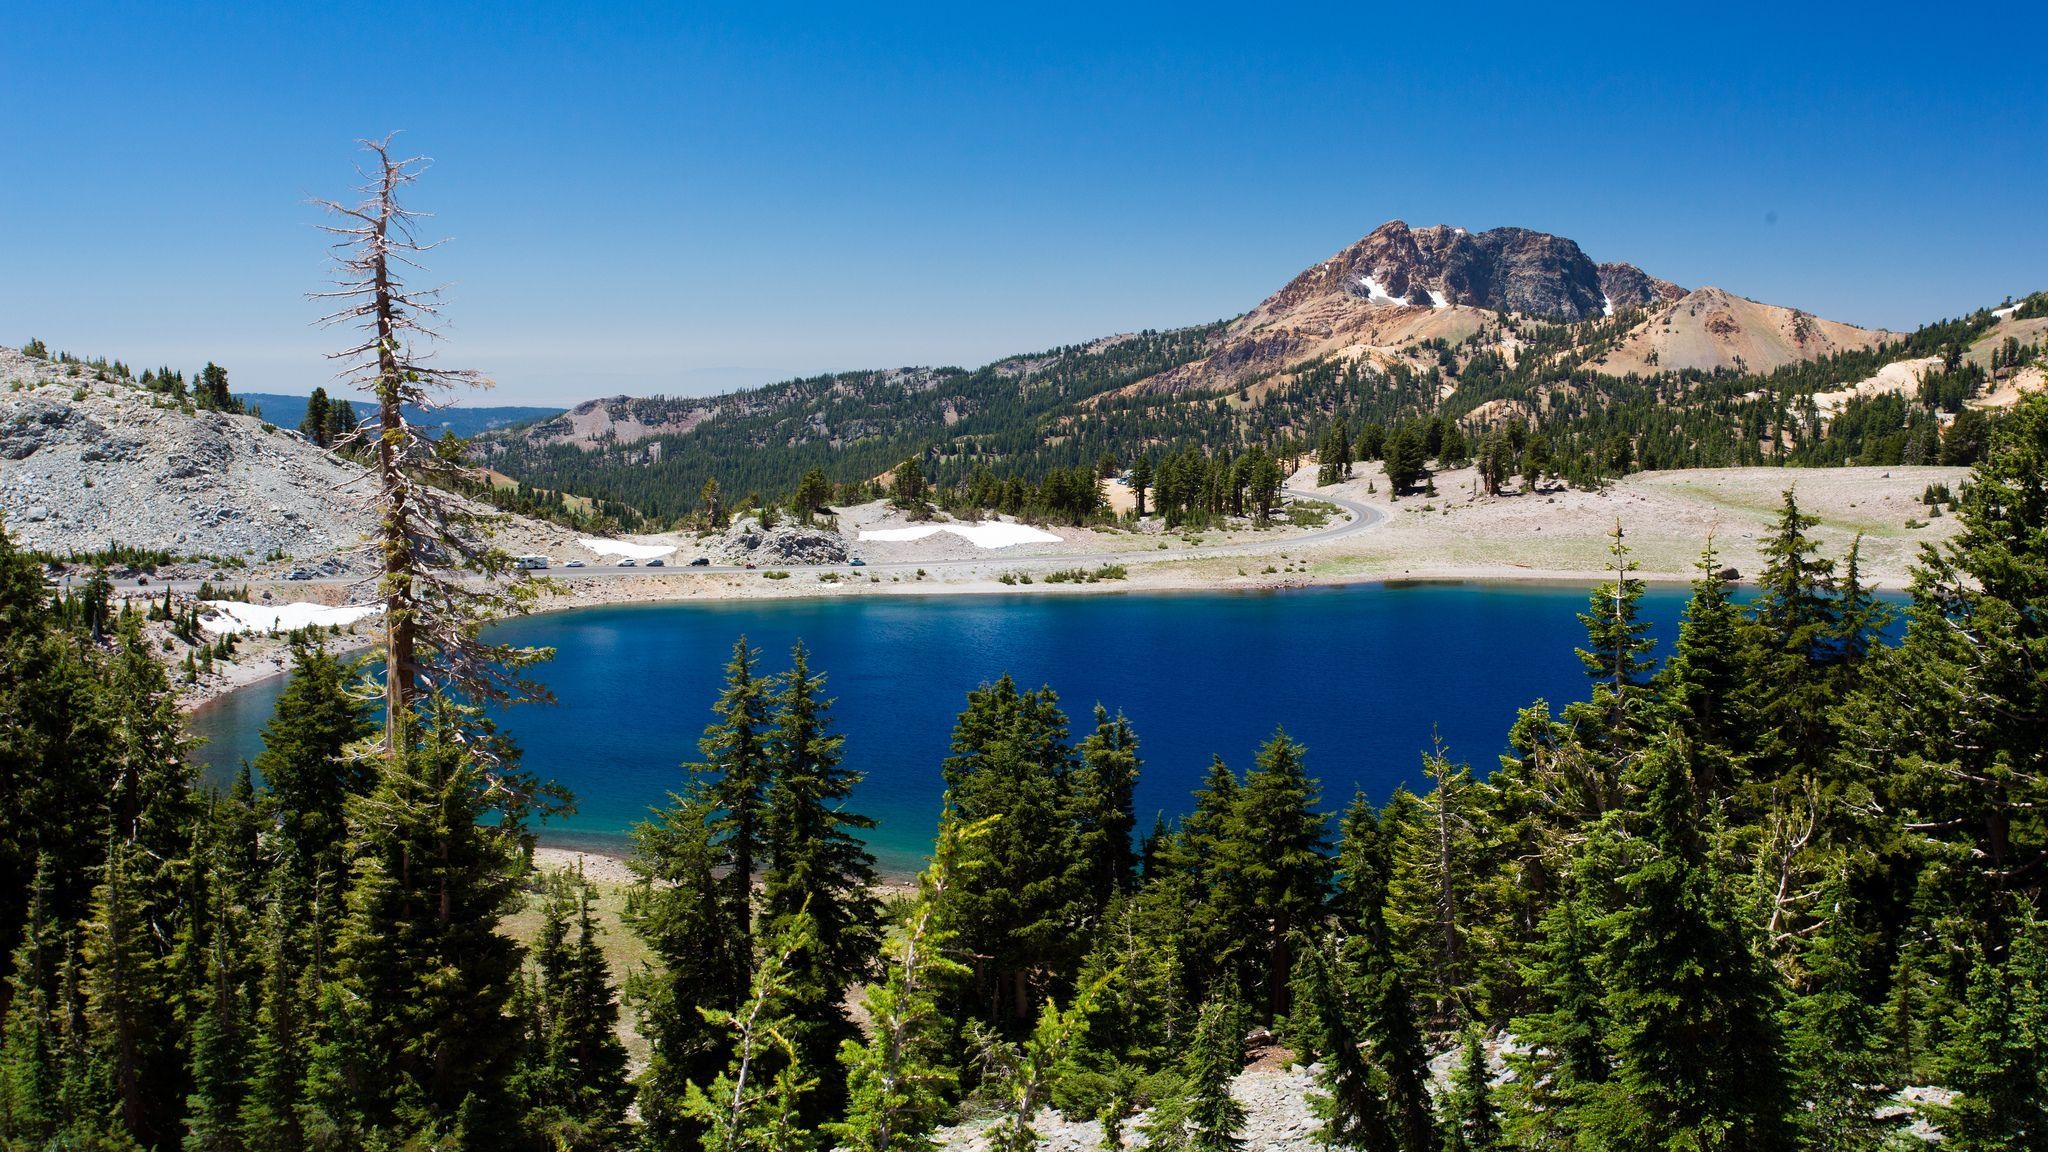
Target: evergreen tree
1350	1104
1618	643
30	1043
1794	628
572	1075
1995	1060
898	1080
1104	785
1696	1041
311	772
1832	1033
1472	1120
1704	685
1431	889
677	910
414	1040
1205	1117
753	1105
220	1041
1141	480
129	1032
1564	1058
1011	761
1950	721
315	425
1273	857
270	1120
819	868
733	779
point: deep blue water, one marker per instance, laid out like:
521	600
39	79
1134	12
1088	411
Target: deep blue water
1364	676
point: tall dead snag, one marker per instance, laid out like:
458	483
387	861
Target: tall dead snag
441	578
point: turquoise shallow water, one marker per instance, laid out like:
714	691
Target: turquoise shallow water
1363	675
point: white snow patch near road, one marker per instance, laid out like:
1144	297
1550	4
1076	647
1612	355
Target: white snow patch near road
628	550
1438	299
236	616
988	534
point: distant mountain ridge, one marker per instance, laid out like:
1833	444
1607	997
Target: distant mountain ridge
1618	367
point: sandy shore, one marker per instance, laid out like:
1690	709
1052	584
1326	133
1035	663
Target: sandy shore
1555	534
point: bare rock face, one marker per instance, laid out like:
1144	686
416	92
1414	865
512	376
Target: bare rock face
88	460
747	542
1628	286
1502	269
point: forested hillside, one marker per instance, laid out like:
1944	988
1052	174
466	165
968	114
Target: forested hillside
1743	899
1156	395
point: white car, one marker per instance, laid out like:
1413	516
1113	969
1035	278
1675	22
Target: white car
573	564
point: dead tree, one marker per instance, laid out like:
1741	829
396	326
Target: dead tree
440	578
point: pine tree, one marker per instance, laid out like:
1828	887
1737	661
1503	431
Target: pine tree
316	422
899	1079
754	1104
270	1108
1995	1059
1564	1058
1205	1117
1832	1033
819	868
677	910
1618	644
30	1046
1275	867
1026	1072
1431	887
220	1044
415	1040
1010	760
129	1032
1950	721
310	771
1705	684
1103	816
1695	1035
1794	626
1471	1118
1350	1103
733	779
572	1075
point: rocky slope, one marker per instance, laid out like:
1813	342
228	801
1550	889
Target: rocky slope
88	460
1709	329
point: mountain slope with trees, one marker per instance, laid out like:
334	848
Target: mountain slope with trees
1609	369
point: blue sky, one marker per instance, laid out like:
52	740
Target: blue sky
682	200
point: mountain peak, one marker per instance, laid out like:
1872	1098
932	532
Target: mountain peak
1506	269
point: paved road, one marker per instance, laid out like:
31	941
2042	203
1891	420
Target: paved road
1362	518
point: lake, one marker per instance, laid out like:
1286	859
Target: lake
1366	676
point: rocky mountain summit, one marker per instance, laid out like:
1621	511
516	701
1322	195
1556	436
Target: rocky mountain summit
1516	270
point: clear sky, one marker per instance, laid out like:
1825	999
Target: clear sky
690	197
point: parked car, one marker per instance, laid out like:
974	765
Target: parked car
657	562
298	574
573	564
627	563
857	562
750	565
701	562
